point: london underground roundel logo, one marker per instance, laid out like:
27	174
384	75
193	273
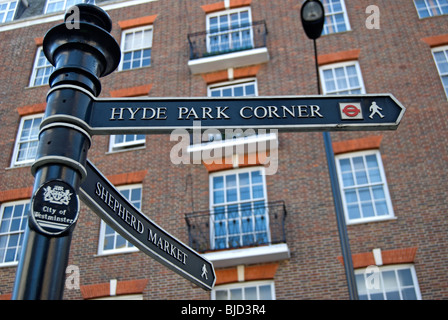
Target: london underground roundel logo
350	111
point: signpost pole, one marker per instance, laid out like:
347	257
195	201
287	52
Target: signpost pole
81	49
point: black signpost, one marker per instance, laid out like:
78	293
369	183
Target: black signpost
82	55
108	203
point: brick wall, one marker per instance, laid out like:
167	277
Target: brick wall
394	59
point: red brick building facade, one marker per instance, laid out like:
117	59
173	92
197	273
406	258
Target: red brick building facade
394	183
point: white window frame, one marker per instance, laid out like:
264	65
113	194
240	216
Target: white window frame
443	49
126	145
19	232
129	247
368	185
329	15
428	8
15	154
242	286
65	4
47	66
8	10
133	48
238	202
220	33
344	65
234	84
374	279
231	85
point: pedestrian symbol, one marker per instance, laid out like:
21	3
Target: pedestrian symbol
204	272
375	109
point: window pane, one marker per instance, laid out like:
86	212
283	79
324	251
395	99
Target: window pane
236	294
351	196
353	212
257	191
244	178
409	294
238	92
265	292
256	177
221	295
231	181
250	293
218	182
218	196
405	277
245	193
367	210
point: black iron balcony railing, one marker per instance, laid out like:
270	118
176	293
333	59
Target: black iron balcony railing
237	226
215	42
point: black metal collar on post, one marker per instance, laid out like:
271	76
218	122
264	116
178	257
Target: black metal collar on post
82	50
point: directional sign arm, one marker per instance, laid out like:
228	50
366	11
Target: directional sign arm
354	112
284	113
111	206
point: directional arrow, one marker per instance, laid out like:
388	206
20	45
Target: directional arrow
285	113
111	206
318	113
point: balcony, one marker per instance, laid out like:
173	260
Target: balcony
231	48
244	233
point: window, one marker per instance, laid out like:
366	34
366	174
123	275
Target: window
136	46
260	290
229	31
42	69
430	8
27	140
60	5
126	141
111	241
234	89
336	19
388	283
363	187
342	78
242	88
7	11
13	219
238	208
441	59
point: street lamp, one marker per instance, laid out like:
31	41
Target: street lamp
312	15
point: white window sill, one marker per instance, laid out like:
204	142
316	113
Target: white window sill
363	221
229	60
235	257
